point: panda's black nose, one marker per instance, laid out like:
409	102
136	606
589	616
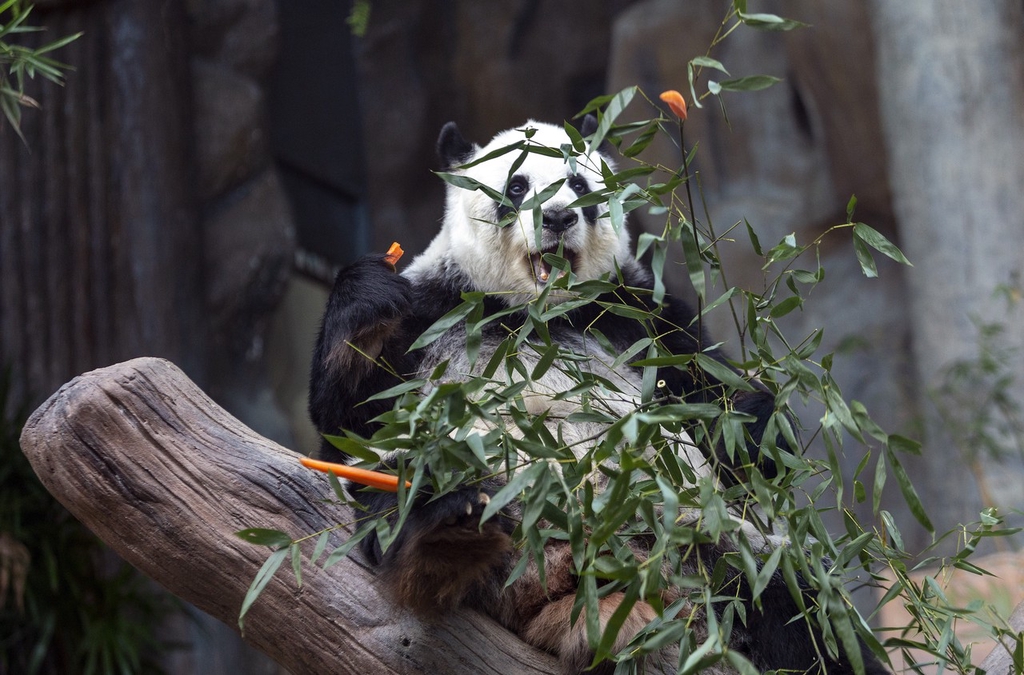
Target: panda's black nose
559	220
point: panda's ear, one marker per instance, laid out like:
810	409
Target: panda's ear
588	128
589	124
452	147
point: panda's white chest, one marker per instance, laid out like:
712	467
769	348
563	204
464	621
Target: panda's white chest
580	379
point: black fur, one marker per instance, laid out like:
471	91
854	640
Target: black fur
452	147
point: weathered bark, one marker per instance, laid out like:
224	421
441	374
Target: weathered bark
165	477
1000	659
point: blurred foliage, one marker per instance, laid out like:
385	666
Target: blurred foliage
18	62
63	611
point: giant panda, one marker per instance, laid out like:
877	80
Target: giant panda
443	557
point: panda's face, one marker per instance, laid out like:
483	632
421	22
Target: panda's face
500	245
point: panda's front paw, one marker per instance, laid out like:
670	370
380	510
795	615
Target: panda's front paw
365	311
372	292
444	554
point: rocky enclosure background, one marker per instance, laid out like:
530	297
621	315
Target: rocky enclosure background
147	217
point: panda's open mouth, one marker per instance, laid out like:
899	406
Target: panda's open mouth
542	269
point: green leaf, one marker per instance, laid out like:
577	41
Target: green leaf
905	445
769	22
642	141
57	44
877	241
590	199
878	485
786	306
708	62
784	250
467	183
694	262
442	325
575	138
867	263
350	543
853	549
544	362
297	563
398	390
722	373
907	489
616	105
537	200
839	619
353	448
263	578
321	544
512	489
750	83
754	241
263	537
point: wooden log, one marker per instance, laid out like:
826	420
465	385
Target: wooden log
165	477
1000	659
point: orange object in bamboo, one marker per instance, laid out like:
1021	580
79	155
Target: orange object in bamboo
376	479
676	103
394	253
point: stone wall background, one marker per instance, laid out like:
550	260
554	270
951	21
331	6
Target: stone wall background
149	216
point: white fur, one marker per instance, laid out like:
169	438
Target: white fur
497	259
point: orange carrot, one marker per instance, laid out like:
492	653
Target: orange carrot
381	481
394	253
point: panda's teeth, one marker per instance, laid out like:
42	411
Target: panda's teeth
541	269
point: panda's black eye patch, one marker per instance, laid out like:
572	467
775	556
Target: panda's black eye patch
578	184
515	193
517	187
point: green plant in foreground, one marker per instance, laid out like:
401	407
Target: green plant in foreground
61	611
631	481
18	62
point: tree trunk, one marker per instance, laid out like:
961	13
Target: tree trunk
165	477
951	83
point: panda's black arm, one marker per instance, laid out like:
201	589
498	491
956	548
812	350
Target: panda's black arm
361	348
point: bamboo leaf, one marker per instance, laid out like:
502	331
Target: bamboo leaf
750	83
769	22
907	489
263	578
264	537
722	373
442	325
877	241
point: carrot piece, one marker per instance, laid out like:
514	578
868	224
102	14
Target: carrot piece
376	479
394	253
